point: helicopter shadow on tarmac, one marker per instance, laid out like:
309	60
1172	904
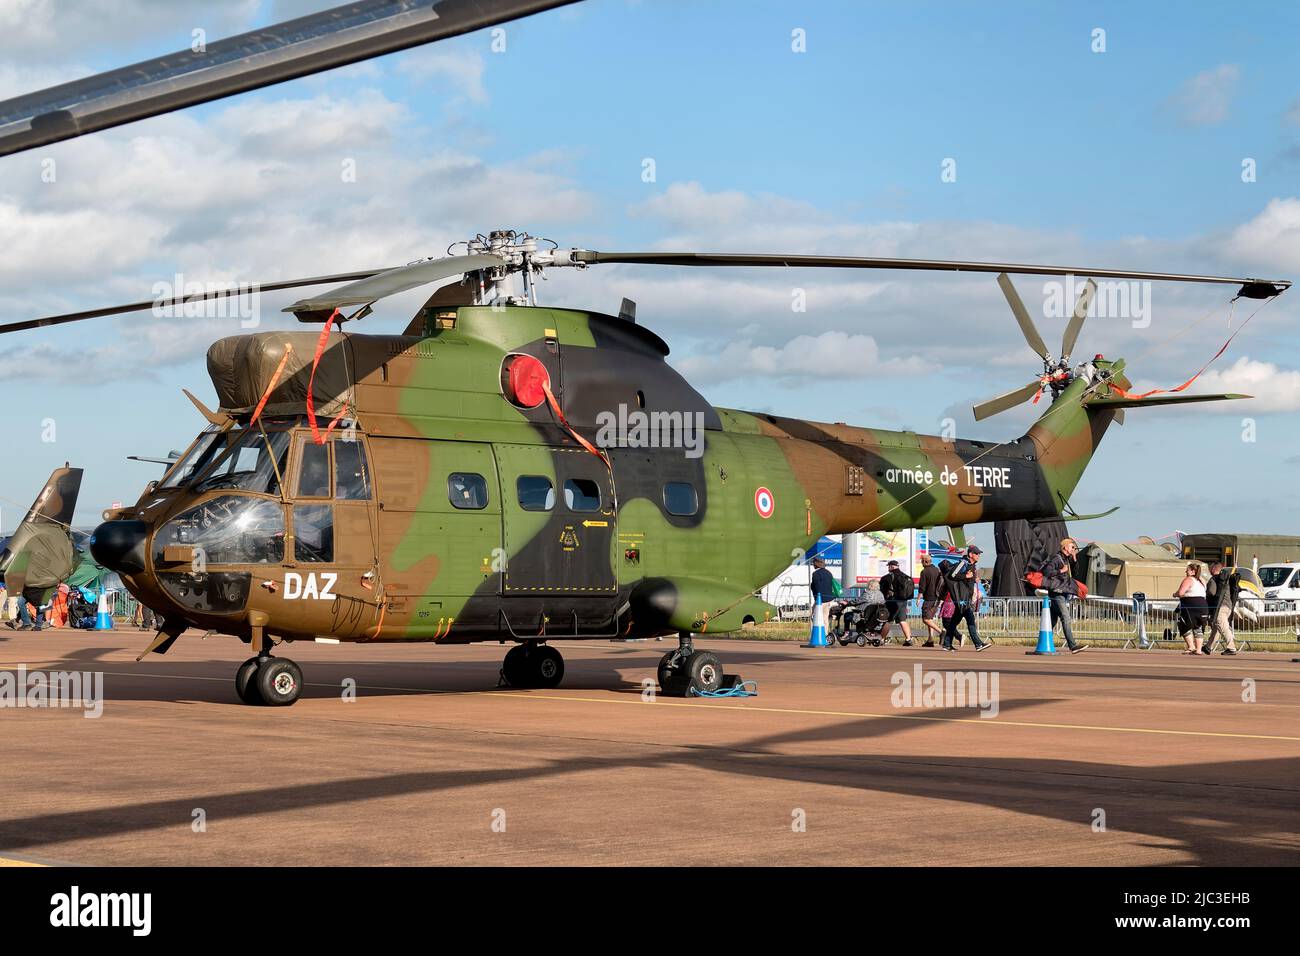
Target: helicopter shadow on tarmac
1171	804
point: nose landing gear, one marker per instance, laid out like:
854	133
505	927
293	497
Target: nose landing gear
687	670
274	681
532	665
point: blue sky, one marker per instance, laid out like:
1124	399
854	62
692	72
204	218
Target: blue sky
1128	158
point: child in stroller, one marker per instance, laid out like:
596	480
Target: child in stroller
860	621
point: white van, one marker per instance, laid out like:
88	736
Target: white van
1281	582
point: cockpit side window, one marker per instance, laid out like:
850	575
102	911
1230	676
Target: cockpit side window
314	471
351	475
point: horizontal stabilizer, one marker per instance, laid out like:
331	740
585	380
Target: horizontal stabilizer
1161	400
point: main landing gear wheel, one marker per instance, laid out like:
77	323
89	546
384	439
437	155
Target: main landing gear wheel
246	683
533	666
278	681
686	669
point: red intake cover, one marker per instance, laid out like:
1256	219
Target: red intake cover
526	381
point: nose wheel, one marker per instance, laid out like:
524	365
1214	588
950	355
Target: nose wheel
687	670
269	681
532	665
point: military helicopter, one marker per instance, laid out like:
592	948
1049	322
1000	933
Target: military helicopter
504	471
43	550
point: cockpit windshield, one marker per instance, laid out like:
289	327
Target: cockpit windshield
199	456
245	459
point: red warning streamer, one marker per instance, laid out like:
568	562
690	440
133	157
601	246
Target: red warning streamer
559	415
275	377
317	435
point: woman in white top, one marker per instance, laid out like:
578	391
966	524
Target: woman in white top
1193	611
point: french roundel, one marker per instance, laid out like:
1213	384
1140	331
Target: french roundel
764	503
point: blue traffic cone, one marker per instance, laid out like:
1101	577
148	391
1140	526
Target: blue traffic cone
103	619
1045	630
818	636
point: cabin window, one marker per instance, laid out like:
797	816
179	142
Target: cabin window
314	471
313	533
467	491
581	494
535	493
351	476
680	498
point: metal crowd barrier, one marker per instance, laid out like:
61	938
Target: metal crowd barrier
1132	623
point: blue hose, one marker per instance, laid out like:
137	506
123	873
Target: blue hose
746	688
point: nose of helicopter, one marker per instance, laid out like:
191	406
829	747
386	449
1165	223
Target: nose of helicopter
119	545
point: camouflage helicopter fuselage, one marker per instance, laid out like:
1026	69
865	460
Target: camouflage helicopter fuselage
455	515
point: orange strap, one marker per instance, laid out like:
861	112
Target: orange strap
1157	391
1178	388
555	407
316	435
257	412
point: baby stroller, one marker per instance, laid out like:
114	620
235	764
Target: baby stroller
860	623
81	611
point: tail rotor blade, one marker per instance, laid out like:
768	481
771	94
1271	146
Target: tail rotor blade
1006	400
1076	321
1027	326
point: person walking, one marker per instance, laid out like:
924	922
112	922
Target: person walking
1062	588
961	585
930	583
897	589
1221	593
822	585
1193	611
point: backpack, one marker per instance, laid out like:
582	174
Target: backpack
906	588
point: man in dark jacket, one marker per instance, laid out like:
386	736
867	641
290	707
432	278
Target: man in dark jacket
823	586
930	585
1221	593
897	589
960	584
1061	587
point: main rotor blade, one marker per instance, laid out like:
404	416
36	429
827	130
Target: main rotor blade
1076	320
240	289
249	61
394	281
1004	401
1027	327
1251	288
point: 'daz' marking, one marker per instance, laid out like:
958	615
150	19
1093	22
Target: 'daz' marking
298	588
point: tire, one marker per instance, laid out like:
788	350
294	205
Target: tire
704	672
515	666
527	667
862	640
664	673
279	682
246	683
547	667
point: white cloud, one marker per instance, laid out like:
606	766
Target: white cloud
1204	100
435	69
1275	389
51	30
1271	239
831	355
252	192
